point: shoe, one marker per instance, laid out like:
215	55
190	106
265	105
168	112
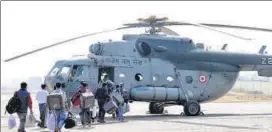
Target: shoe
89	125
83	125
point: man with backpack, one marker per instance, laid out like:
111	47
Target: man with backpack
24	102
60	114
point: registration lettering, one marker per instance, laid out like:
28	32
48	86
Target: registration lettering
267	61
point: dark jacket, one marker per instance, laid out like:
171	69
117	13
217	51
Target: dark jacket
25	99
101	93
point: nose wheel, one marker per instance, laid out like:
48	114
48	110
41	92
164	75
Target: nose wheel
191	108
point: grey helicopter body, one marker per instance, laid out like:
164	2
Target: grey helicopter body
160	69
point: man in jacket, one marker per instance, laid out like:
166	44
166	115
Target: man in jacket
60	114
26	102
101	96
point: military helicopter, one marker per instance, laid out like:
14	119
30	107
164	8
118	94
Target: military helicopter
160	67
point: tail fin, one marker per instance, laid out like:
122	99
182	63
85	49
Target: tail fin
261	51
224	47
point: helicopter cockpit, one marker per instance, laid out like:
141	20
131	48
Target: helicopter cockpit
70	72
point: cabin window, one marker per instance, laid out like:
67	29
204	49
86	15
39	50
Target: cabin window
156	78
189	79
138	77
122	75
170	79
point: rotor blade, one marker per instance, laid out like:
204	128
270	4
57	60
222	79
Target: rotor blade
207	27
226	26
169	31
239	27
62	42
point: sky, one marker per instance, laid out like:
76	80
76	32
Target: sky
29	25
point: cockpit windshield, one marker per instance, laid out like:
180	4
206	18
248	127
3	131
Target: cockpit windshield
64	72
54	71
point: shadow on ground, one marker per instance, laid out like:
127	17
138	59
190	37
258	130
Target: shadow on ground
177	116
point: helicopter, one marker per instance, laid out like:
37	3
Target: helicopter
159	66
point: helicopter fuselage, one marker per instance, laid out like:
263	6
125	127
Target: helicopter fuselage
158	69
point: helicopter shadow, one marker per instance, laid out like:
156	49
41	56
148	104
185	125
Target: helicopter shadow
178	116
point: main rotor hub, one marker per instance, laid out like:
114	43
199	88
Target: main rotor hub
153	24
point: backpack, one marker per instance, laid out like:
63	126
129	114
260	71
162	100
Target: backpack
69	121
55	101
14	104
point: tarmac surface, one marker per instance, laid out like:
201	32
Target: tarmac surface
219	117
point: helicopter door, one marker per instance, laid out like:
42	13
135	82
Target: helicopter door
106	70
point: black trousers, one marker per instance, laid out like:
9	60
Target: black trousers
101	113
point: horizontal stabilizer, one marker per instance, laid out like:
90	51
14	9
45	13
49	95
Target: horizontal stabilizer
262	49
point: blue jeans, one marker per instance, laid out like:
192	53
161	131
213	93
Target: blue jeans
41	107
121	112
60	117
22	117
85	116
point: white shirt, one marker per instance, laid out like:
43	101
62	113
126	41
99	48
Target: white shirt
41	96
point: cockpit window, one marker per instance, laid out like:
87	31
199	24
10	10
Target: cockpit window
64	72
54	71
79	71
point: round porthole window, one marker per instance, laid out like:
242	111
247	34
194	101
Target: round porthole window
138	77
189	79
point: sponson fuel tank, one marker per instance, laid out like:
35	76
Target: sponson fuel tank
143	93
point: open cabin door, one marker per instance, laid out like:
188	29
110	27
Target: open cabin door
106	70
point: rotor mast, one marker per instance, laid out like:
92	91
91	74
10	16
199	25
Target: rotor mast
153	21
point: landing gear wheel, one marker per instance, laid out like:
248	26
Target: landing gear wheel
191	108
113	116
156	108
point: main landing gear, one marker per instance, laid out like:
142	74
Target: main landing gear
192	108
156	108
